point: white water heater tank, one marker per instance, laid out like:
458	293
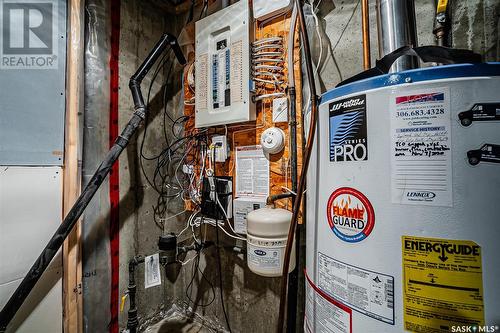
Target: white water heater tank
267	232
403	223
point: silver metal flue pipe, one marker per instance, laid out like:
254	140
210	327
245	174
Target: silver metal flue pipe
396	28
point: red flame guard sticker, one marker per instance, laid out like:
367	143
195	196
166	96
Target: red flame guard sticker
350	215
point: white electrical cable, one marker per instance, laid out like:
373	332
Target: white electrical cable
318	33
267	46
188	223
269	67
198	222
268	81
173	216
273	95
274	75
259	60
267	54
189	260
225	215
290	50
268	40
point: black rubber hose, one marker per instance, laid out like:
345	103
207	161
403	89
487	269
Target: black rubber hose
40	265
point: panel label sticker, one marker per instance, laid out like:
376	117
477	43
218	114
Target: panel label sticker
421	148
252	172
442	284
202	92
236	71
350	215
368	292
152	276
348	140
323	314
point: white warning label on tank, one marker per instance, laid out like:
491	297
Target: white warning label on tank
421	147
323	314
368	292
264	257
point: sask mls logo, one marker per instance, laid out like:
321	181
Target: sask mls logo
28	34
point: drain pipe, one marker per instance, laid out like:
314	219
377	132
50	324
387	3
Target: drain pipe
132	321
396	28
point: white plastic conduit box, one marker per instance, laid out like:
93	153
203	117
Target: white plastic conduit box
264	9
222	67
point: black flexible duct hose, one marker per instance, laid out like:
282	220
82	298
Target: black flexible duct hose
40	265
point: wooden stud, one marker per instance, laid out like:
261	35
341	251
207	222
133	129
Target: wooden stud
72	265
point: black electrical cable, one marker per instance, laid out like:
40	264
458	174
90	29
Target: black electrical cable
194	272
159	181
217	245
17	299
160	208
191	12
204	9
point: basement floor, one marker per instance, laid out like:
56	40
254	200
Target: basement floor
178	321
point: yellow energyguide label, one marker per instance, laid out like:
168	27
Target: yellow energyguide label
442	281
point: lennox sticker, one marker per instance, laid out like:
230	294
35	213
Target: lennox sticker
348	141
350	215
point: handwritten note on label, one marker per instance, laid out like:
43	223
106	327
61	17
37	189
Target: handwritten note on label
421	147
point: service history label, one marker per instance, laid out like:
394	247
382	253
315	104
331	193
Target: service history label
442	280
348	141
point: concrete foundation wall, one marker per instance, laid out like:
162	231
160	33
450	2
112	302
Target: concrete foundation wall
251	301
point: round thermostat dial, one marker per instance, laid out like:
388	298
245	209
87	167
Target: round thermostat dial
272	140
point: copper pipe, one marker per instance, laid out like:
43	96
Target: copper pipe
305	165
365	25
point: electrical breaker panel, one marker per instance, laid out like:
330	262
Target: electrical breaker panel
222	67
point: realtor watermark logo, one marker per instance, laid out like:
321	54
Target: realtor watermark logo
475	328
28	34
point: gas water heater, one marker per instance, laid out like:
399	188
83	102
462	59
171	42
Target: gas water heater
403	204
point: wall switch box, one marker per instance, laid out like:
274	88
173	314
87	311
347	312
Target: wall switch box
222	67
264	9
280	110
221	148
223	185
241	207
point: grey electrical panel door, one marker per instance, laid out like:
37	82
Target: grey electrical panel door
32	81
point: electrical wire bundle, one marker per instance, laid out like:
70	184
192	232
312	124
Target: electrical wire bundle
268	64
164	178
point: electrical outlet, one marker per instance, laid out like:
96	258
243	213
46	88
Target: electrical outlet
221	148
